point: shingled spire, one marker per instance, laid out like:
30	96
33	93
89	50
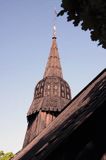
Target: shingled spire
53	67
51	95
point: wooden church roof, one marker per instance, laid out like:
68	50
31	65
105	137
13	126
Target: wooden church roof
75	113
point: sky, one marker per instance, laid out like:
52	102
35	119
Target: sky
25	39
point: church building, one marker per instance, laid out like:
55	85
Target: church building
62	128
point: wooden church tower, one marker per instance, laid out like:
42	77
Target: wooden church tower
51	95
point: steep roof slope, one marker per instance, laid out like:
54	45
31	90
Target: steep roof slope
53	67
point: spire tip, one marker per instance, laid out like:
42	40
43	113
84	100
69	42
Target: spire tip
54	26
54	32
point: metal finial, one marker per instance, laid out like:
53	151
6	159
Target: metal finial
54	31
54	25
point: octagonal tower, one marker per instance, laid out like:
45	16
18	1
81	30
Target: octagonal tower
51	95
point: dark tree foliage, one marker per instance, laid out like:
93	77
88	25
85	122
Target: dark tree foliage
6	156
91	14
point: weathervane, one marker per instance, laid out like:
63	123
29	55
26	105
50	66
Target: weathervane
54	25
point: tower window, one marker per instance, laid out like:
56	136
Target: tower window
42	83
67	90
63	95
55	87
37	86
41	90
68	96
48	86
62	88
